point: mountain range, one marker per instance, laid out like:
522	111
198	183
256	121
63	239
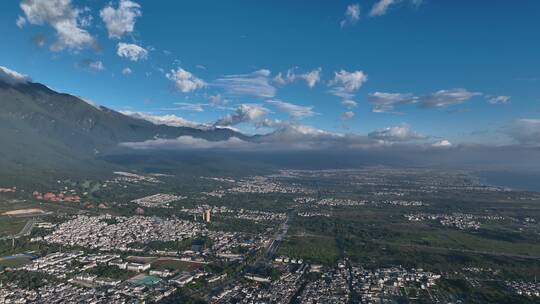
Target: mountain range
47	133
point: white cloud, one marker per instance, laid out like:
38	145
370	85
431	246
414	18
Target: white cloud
312	77
121	20
525	131
11	77
131	51
498	99
185	81
21	21
444	98
187	143
186	106
352	15
255	84
127	71
349	103
396	134
285	79
381	7
348	115
442	144
385	102
217	100
244	113
295	111
168	120
346	83
97	65
91	103
64	18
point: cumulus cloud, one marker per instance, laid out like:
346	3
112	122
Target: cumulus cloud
255	84
396	134
352	15
525	131
385	102
185	81
12	77
187	143
168	120
347	115
311	78
346	83
283	79
131	51
442	144
127	71
293	110
244	113
381	7
349	103
121	20
498	99
444	98
67	21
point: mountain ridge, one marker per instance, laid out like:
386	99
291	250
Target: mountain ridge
42	130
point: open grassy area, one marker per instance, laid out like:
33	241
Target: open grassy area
315	249
11	225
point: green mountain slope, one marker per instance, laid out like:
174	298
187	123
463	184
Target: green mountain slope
48	134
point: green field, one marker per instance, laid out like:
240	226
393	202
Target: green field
315	249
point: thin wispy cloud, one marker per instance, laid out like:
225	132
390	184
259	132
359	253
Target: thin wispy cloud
381	7
386	102
352	15
256	84
295	111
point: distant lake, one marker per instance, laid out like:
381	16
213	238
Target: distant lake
529	181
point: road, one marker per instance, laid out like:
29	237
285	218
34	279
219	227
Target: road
265	257
25	231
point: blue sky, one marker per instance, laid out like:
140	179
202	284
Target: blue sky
464	71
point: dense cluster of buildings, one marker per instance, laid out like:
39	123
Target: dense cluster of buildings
530	289
159	200
252	215
460	221
117	233
256	289
263	184
372	286
331	288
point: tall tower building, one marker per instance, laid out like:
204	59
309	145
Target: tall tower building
207	215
